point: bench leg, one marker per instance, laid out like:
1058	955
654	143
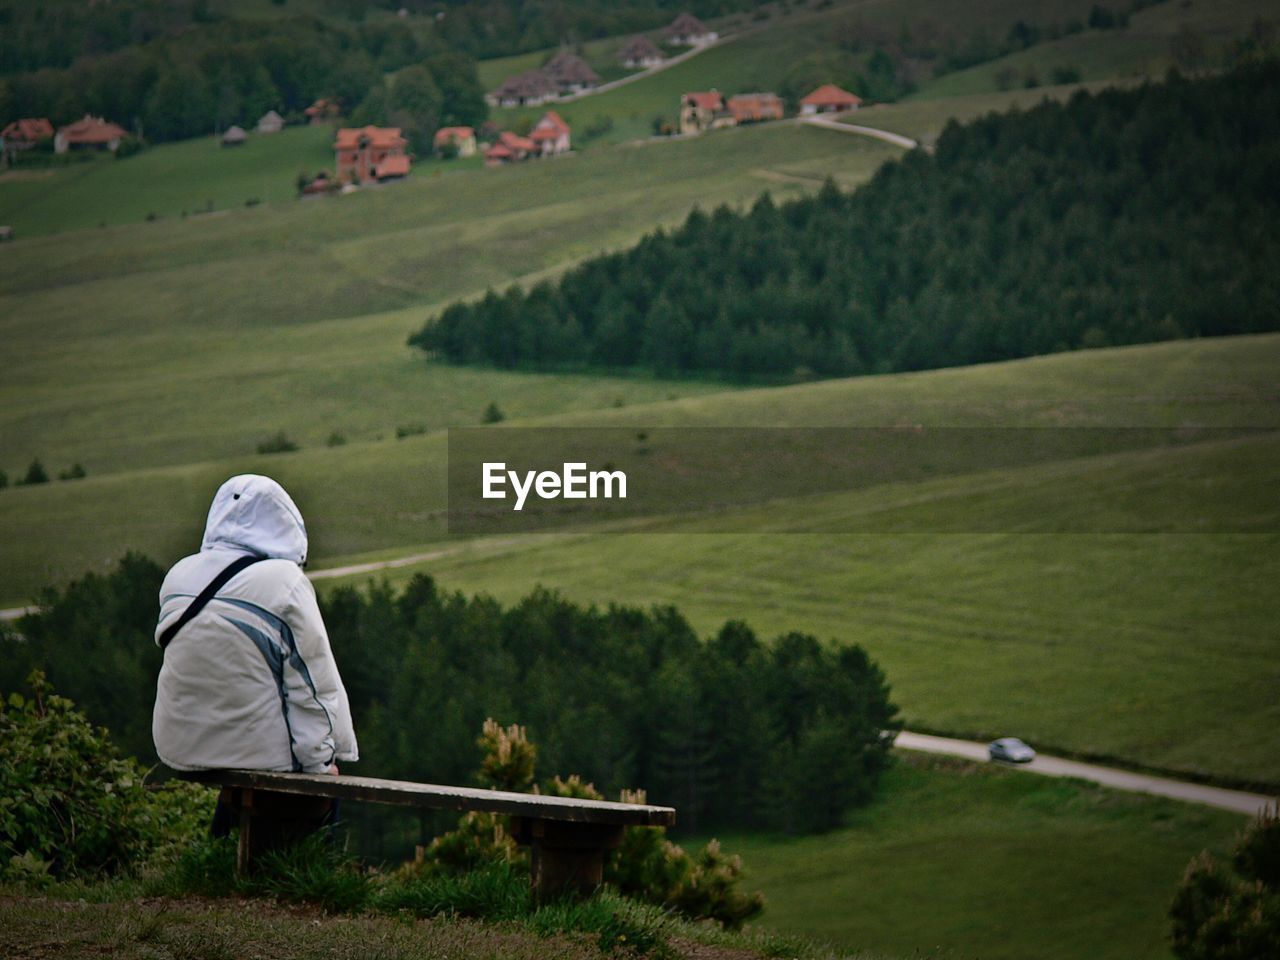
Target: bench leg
565	859
244	849
558	871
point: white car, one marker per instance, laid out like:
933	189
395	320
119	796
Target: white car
1010	750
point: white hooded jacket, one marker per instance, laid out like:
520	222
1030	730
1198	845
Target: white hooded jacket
250	682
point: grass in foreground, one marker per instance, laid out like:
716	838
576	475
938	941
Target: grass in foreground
951	860
199	908
959	860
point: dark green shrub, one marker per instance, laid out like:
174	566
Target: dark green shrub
129	146
280	443
646	867
75	473
94	639
35	474
1221	913
493	414
70	805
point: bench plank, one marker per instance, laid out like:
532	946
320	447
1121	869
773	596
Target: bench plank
441	797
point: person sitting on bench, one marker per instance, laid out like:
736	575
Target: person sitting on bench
249	680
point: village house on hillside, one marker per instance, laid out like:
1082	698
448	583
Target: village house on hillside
234	137
462	138
755	107
640	51
550	136
509	148
323	110
25	134
527	89
371	154
570	73
828	99
91	133
687	30
270	122
704	111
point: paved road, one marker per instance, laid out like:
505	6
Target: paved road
1237	801
828	124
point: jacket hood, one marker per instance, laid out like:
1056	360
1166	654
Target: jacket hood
254	514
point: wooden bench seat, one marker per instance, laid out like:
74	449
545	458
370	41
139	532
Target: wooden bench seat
567	838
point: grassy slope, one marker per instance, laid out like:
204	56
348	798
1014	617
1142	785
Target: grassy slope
924	120
186	341
174	179
1119	644
1141	50
1122	645
759	57
980	862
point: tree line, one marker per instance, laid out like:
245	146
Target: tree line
497	28
1121	217
172	69
189	82
733	731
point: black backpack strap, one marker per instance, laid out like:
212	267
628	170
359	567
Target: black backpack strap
205	596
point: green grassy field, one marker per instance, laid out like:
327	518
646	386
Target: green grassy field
954	860
1140	50
924	120
1112	644
1044	624
184	341
197	177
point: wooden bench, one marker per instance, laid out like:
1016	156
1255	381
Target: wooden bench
567	838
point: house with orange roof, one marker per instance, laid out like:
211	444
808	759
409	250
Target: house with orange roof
829	99
755	107
366	154
25	133
463	140
509	148
91	133
394	167
704	111
551	135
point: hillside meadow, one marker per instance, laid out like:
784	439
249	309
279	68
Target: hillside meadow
1143	49
958	860
187	340
1084	612
759	54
